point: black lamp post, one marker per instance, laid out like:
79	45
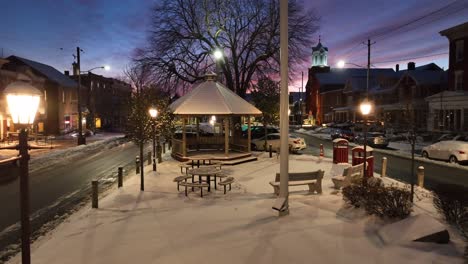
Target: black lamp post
365	108
23	102
153	113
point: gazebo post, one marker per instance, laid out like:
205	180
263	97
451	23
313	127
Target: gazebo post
184	138
198	133
249	136
226	136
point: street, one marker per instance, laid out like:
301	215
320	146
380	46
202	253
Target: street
57	189
399	167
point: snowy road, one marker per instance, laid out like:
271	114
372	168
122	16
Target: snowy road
57	189
399	164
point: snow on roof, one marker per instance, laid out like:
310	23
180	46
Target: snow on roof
48	71
212	98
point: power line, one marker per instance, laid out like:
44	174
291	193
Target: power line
394	30
415	20
412	58
427	22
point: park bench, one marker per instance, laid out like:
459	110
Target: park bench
225	182
350	175
313	179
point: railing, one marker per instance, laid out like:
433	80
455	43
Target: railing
177	147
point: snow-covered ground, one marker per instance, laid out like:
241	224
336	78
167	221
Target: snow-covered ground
161	225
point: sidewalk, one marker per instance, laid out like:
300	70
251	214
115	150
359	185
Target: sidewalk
161	225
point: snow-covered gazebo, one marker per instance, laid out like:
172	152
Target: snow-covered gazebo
209	99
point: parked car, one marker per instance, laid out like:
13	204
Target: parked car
259	131
453	151
86	133
323	130
374	139
342	133
295	143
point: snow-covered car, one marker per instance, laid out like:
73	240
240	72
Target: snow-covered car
295	143
374	139
453	151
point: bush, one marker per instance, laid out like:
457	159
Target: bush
376	199
452	202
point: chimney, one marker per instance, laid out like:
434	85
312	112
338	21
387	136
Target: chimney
411	66
67	73
75	69
397	67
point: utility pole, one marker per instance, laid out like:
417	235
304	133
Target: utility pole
300	100
81	138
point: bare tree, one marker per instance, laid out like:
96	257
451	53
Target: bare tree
266	97
185	33
145	95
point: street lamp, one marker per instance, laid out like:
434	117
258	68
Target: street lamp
23	102
218	58
365	108
342	63
81	138
153	113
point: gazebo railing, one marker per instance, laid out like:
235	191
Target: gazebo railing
177	147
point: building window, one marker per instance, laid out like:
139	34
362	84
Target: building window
459	49
458	80
338	100
63	96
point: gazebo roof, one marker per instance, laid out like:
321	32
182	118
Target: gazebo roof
212	98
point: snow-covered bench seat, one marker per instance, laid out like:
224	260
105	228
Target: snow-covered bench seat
353	173
313	179
200	185
227	181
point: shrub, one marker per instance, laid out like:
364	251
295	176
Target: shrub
452	202
392	202
376	199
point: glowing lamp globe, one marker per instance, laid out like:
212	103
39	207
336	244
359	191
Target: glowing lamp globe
340	64
218	54
365	107
153	112
23	102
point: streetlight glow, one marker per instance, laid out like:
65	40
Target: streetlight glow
218	54
340	64
23	102
153	112
365	107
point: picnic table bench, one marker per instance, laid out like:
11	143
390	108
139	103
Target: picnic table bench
313	179
225	182
200	185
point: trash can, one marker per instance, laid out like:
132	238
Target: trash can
357	154
340	150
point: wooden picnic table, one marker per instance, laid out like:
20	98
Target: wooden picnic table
205	171
197	159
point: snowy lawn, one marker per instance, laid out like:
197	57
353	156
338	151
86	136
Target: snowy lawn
161	225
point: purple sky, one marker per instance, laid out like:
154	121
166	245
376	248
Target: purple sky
109	31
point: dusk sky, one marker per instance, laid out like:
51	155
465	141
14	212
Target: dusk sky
49	31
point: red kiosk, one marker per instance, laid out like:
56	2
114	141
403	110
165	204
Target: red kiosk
340	150
358	158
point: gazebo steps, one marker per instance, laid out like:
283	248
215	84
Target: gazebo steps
238	161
